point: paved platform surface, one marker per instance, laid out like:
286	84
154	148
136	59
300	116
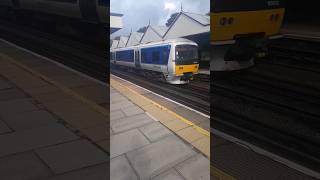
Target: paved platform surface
204	71
301	30
51	124
243	163
147	142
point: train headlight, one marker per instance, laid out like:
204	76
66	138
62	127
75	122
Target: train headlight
226	21
230	20
271	17
276	17
223	21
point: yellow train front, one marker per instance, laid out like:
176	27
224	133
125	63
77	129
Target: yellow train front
240	31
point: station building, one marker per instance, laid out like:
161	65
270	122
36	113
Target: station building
123	41
114	44
134	39
154	33
115	22
115	25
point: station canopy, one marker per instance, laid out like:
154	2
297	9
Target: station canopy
134	39
122	41
114	44
195	27
154	33
115	22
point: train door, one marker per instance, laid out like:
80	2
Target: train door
89	10
137	58
112	57
167	59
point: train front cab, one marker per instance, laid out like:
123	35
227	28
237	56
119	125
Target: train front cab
185	62
240	31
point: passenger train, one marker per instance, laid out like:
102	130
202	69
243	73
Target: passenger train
241	30
175	60
92	11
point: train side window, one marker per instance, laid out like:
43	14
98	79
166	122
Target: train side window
143	56
102	2
65	1
117	55
165	54
126	55
156	57
131	55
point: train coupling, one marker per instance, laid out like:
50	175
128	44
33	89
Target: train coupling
261	54
246	49
187	76
261	49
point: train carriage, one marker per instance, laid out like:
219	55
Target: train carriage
124	57
240	31
93	11
175	60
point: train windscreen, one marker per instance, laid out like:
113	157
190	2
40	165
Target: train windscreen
217	6
186	54
103	3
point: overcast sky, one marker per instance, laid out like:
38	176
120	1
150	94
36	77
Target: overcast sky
136	13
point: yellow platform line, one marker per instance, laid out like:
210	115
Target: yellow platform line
199	129
217	173
68	91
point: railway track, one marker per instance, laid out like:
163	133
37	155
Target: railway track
274	106
295	53
75	54
202	77
194	96
306	50
276	127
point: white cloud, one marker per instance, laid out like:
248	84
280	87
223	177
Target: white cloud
137	14
169	6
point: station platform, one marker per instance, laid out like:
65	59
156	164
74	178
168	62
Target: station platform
242	161
151	141
53	121
204	71
302	31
